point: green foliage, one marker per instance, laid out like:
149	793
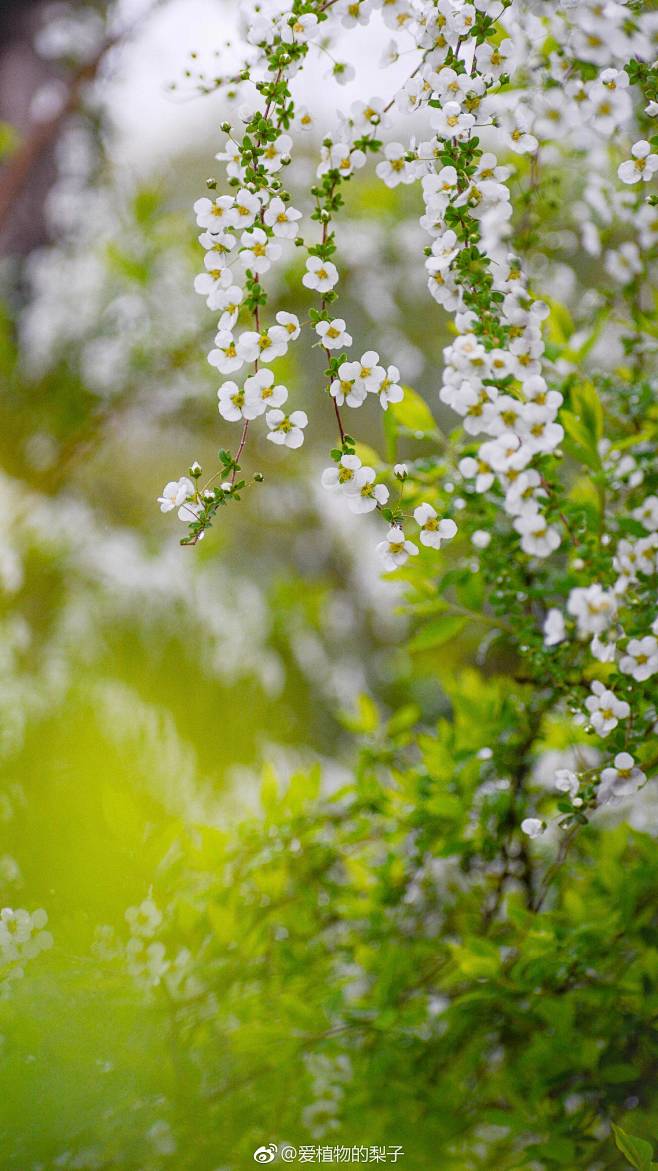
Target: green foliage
356	941
638	1152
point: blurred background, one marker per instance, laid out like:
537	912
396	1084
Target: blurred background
143	685
179	932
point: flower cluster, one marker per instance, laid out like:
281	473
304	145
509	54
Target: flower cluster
496	92
22	938
149	961
247	230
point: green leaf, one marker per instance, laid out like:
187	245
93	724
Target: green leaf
403	719
638	1152
438	632
303	789
269	789
477	958
146	205
367	455
587	406
560	324
583	443
585	493
414	413
124	265
366	718
390	436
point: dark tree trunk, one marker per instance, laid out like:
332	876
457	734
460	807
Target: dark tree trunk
22	73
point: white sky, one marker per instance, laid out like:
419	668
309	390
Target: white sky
151	124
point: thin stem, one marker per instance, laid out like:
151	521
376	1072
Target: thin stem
243	440
340	421
323	306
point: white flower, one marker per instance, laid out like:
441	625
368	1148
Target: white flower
175	493
225	357
368	376
282	218
260	393
299	28
623	263
342	476
231	402
145	919
603	651
609	107
258	252
395	550
232	156
647	513
492	59
480	539
267	346
221	242
473	402
592	608
190	511
524	493
228	300
368	494
566	781
605	709
342	73
462	19
304	120
554	630
432	530
261	30
247	207
621	781
396	13
643	164
289	322
520	138
353	12
333	334
389	389
507	453
532	826
213	283
395	169
275	152
444	249
539	431
344	388
451	120
537	537
286	429
400	471
437	188
640	658
342	158
148	966
215	215
476	469
320	275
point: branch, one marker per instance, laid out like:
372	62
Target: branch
15	176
